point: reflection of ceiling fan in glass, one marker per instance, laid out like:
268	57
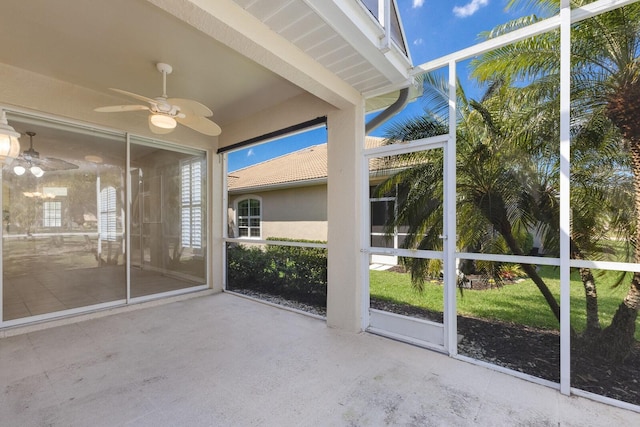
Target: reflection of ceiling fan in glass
30	160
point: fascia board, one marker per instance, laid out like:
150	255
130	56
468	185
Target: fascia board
279	186
352	21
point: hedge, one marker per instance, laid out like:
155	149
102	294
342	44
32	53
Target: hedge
294	272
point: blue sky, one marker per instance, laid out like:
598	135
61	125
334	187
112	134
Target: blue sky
433	28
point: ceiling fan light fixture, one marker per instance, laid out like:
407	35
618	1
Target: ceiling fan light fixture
166	112
163	121
36	171
9	144
19	170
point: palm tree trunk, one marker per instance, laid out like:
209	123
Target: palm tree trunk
617	339
544	289
591	299
505	230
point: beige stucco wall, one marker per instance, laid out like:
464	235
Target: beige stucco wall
294	213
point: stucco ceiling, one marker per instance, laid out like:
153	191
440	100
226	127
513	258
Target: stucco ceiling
116	43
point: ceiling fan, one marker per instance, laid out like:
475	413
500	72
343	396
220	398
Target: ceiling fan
30	160
166	112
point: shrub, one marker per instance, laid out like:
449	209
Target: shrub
298	273
246	267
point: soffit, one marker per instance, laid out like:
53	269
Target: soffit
343	36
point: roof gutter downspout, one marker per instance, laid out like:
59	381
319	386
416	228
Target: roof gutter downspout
392	109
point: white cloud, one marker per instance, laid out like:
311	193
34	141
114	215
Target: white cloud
417	3
250	152
469	8
418	41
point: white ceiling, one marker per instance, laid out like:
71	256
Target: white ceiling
116	43
95	45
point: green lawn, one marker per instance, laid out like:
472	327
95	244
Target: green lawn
520	303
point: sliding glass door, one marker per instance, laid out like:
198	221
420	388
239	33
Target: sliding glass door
63	220
168	212
65	213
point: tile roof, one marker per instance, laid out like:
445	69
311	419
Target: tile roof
308	164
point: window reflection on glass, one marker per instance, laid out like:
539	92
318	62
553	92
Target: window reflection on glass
168	233
108	220
52	214
54	256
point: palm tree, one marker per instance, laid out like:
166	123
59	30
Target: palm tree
506	176
605	92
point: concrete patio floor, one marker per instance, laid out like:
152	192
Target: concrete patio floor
223	360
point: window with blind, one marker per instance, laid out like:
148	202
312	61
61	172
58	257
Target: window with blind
108	220
191	203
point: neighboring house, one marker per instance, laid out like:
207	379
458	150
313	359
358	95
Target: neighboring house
282	197
286	197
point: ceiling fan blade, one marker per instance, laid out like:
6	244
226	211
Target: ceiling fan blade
190	107
158	130
121	108
200	124
136	96
53	164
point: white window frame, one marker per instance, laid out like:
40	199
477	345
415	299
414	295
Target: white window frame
249	227
49	220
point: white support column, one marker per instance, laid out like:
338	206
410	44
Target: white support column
217	220
565	205
129	206
344	213
99	213
449	211
1	255
384	17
